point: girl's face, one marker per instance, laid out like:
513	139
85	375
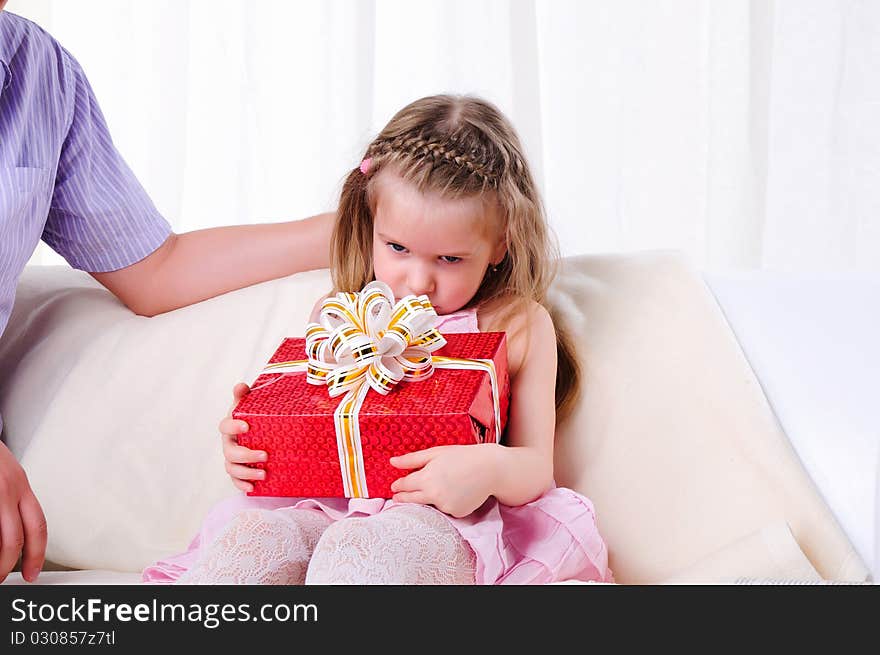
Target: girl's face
427	244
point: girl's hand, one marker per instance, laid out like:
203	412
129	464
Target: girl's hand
237	456
454	479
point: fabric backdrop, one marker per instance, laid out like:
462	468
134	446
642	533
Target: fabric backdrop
743	133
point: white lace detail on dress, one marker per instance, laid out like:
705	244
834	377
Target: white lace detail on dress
260	547
406	544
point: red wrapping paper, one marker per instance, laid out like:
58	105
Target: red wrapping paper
292	420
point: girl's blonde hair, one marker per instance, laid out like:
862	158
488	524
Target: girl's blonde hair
460	146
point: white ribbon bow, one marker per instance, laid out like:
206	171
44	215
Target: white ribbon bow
368	337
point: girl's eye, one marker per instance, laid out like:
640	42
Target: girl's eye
450	259
396	247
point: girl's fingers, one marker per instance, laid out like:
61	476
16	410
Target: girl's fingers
411	497
232	451
239	391
232	426
246	487
409	482
241	472
235	454
415	459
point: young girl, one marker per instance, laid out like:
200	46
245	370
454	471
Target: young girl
442	204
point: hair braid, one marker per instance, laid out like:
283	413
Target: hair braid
438	149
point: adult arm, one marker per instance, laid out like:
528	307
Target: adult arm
194	266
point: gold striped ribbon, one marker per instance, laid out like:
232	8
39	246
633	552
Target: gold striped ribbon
365	341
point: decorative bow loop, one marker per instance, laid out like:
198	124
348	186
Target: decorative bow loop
367	337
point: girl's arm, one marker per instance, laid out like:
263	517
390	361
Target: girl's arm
458	479
523	469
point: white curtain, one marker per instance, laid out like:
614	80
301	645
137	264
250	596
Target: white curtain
742	132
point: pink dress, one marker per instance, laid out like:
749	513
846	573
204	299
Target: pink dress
550	539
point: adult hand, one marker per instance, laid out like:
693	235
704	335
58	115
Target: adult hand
454	479
237	456
22	523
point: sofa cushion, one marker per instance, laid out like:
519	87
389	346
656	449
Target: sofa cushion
115	416
673	438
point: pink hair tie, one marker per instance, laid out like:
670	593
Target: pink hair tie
365	165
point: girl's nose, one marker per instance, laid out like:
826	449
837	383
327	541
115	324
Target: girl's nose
420	282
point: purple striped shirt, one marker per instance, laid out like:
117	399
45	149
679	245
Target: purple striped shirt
61	178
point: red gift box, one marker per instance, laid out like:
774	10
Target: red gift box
293	420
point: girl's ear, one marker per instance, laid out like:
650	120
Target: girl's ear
499	252
500	222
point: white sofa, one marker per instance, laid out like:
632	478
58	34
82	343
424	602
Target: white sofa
692	474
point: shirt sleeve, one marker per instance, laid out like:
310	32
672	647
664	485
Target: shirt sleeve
101	218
